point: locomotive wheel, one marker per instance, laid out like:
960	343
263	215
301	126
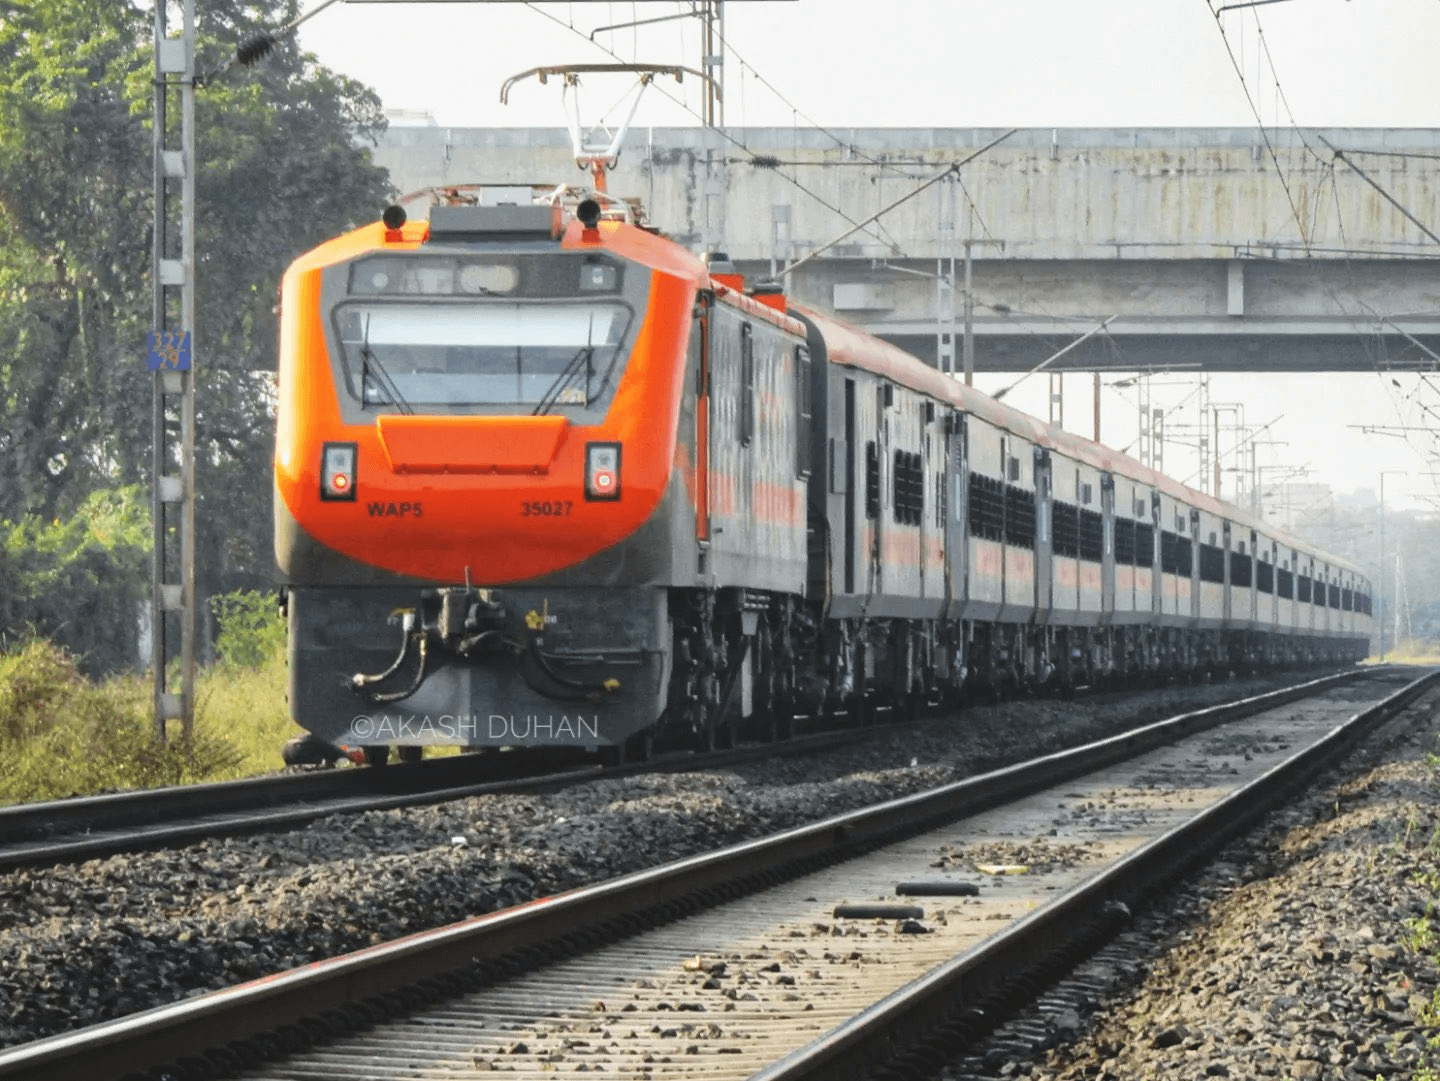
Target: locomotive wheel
376	756
640	747
633	751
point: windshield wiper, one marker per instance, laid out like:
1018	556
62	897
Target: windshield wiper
382	377
564	379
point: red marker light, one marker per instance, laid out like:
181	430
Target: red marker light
337	472
602	471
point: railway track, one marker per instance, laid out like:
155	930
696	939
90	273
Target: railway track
93	826
743	963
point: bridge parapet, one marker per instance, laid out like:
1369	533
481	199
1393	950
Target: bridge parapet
1224	247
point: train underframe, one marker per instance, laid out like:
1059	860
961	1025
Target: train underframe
622	670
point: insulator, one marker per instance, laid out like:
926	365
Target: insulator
254	48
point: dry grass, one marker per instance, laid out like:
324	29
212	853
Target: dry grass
63	735
1413	651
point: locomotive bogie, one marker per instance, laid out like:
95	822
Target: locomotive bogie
567	667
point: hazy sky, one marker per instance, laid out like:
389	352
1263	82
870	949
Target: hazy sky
962	63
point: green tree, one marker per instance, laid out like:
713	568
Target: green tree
79	582
283	164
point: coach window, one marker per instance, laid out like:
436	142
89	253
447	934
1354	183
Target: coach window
747	384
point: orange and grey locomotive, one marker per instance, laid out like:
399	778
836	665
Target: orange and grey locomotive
544	477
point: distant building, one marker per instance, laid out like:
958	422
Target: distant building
410	118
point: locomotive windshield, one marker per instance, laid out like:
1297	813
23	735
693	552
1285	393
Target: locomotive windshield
480	354
535	331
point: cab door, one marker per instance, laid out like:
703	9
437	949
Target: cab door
700	352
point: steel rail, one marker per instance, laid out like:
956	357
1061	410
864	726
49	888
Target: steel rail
585	916
939	1013
88	827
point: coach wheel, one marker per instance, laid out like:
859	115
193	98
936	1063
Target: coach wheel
376	756
719	732
861	707
411	755
780	718
639	747
909	707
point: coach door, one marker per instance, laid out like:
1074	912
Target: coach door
957	535
1157	596
1107	552
1227	611
852	523
884	492
1044	567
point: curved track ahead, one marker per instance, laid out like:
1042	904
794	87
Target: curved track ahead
608	977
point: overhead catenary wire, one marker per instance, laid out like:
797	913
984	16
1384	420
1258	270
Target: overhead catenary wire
950	170
1340	156
1260	122
1365	334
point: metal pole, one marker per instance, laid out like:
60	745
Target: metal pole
1380	611
1097	406
1142	425
187	405
1204	438
1254	480
1215	413
969	346
1380	583
712	62
171	357
157	423
945	283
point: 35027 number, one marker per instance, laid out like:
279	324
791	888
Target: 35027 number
546	508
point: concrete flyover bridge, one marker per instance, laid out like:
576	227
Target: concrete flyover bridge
1224	249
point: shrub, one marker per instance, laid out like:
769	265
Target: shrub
62	735
251	632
